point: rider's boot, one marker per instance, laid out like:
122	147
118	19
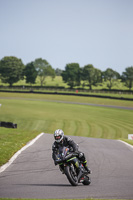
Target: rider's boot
86	167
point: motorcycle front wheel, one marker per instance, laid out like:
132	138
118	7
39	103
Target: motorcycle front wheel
71	175
86	181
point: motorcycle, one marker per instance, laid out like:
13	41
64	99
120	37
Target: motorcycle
72	167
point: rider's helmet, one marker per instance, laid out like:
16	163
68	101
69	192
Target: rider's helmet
58	135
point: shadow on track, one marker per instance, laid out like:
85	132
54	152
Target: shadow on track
49	185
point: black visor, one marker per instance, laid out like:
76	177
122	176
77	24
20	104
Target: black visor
58	137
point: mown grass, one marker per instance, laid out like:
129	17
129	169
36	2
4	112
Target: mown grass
70	98
34	115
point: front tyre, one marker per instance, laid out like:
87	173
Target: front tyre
71	175
86	181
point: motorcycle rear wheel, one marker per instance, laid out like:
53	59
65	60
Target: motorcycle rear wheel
71	176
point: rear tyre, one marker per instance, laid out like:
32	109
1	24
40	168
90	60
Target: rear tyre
71	175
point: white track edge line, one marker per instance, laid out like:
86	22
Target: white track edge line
126	143
3	167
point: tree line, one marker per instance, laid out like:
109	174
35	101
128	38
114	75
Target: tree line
12	70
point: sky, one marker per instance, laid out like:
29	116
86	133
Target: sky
97	32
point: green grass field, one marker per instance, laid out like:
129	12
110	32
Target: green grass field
36	113
70	98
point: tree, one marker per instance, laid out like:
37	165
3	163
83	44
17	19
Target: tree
30	73
72	74
110	75
58	72
98	76
50	71
43	69
91	74
11	70
127	77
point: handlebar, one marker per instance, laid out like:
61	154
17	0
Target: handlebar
66	158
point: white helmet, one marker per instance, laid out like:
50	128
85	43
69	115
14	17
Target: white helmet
58	135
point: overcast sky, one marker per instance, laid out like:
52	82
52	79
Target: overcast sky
98	32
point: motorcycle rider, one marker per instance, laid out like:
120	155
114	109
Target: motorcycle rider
61	140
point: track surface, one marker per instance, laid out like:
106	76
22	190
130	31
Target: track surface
33	174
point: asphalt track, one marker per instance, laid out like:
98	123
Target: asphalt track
33	174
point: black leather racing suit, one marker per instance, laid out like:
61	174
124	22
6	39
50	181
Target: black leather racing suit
67	142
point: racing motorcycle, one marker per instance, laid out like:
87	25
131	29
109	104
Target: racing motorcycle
72	167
